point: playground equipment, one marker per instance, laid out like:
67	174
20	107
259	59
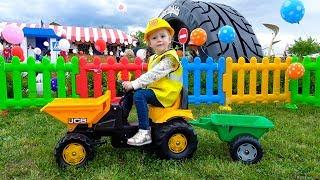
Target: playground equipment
242	132
89	119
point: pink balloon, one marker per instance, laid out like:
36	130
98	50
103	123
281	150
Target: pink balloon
13	34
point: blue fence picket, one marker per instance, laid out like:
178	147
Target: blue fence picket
209	68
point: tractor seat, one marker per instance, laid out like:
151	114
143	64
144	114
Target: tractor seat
180	103
179	108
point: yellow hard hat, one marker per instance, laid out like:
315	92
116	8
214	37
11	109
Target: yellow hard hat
155	24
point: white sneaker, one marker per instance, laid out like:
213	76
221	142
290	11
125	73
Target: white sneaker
141	138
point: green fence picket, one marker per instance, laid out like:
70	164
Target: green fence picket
17	81
61	77
3	84
46	79
32	92
306	80
74	66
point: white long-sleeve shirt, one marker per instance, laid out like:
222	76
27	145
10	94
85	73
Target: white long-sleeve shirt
160	70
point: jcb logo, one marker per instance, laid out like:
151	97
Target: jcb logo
77	121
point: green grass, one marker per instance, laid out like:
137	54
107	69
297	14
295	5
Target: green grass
292	150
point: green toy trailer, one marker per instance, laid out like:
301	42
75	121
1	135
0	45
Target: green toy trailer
242	132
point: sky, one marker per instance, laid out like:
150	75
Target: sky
105	13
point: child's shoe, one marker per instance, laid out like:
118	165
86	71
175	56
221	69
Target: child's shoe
141	138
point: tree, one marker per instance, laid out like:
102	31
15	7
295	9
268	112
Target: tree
304	47
140	37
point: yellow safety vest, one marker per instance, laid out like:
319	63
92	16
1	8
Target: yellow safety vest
168	88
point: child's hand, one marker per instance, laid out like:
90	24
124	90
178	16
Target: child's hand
127	85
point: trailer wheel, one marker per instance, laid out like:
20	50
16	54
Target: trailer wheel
175	140
246	149
73	150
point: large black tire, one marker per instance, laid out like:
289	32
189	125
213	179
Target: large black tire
73	150
211	17
246	149
175	140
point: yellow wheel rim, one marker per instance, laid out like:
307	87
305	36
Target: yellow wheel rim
177	143
74	153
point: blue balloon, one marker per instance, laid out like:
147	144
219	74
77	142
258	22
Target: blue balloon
54	84
292	11
227	34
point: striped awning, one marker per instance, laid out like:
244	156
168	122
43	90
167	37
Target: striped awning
83	34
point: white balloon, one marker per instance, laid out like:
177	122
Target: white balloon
64	45
37	51
121	53
142	53
126	43
46	43
111	53
75	51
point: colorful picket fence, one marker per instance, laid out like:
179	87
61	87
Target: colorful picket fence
253	70
309	84
209	68
224	82
17	70
110	67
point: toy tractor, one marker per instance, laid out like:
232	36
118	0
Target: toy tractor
90	119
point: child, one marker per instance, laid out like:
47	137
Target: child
160	85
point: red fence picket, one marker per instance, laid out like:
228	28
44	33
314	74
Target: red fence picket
109	67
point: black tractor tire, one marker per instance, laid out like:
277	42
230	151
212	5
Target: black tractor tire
83	146
246	149
173	132
211	17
